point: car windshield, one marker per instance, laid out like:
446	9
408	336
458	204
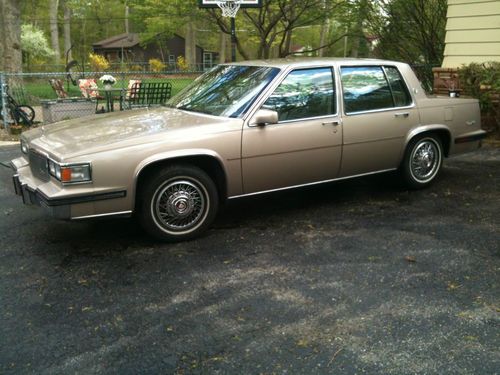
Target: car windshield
226	90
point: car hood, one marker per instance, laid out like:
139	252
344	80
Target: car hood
106	131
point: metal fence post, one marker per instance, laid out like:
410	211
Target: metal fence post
3	96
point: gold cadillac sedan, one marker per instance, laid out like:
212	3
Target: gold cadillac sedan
242	129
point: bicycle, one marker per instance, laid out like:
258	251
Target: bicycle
20	113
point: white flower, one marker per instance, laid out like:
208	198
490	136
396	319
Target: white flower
107	79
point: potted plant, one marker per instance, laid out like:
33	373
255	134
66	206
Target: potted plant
108	81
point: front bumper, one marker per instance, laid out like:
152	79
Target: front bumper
76	202
35	197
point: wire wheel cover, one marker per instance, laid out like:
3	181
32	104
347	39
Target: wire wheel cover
179	205
425	160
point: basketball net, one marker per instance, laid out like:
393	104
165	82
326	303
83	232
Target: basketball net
229	7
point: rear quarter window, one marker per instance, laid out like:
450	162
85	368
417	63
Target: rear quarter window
398	87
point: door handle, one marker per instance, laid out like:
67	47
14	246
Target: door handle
402	114
334	123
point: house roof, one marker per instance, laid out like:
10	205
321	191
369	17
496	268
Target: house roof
124	41
119	41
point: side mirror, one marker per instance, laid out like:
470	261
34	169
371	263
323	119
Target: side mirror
264	117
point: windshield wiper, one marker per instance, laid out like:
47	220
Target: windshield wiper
184	108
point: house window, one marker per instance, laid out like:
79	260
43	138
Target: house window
207	60
171	60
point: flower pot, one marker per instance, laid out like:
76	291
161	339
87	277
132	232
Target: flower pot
15	129
108	86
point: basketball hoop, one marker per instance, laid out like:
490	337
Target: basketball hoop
229	7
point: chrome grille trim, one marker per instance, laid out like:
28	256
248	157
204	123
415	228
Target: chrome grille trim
38	165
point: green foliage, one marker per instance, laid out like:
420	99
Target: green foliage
163	17
481	81
409	30
34	43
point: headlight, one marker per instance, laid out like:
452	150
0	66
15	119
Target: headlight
24	147
70	173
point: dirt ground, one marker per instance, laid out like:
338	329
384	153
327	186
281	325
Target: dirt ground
346	278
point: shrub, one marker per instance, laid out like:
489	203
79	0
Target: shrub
136	68
182	64
98	63
482	81
156	65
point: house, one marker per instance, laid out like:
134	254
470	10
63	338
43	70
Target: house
472	32
128	47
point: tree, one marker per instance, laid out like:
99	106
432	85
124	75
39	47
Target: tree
10	27
34	44
275	22
67	29
163	18
325	31
410	30
54	30
361	14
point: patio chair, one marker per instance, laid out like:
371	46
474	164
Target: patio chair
89	89
58	87
149	93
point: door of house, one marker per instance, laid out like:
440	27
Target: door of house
207	60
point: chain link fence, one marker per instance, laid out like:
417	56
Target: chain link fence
68	99
57	96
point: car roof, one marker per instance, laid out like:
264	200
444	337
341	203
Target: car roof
311	61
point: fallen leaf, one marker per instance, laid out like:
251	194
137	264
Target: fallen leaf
410	259
302	343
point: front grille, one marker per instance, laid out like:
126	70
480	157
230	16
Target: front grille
38	165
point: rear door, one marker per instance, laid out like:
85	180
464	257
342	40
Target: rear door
305	146
378	113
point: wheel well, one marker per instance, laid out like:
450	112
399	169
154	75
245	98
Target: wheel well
444	136
208	164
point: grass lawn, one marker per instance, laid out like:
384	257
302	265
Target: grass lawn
35	90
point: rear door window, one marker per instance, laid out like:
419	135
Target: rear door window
368	88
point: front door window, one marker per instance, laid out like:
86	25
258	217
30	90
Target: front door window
304	93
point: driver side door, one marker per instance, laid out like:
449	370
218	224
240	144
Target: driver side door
305	145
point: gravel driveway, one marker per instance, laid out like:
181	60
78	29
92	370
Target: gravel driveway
346	278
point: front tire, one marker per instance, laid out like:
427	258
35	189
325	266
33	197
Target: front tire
178	203
422	161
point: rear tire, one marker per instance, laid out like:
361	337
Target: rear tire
422	161
178	203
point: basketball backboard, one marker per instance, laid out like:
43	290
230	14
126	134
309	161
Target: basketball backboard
244	3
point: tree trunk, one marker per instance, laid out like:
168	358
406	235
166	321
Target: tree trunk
266	52
222	47
2	32
190	47
10	27
127	29
359	33
288	44
325	31
54	30
67	30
